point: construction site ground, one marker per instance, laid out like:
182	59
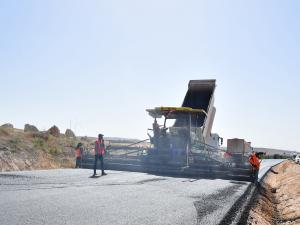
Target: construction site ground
278	200
71	196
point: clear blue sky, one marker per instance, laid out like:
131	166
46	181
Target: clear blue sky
100	64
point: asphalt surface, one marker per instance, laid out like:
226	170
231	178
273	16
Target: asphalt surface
266	165
70	196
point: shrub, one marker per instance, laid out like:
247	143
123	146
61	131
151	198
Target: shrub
14	141
38	143
54	150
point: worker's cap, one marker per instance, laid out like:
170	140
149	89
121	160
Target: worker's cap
100	135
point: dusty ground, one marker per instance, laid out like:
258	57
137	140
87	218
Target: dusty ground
279	197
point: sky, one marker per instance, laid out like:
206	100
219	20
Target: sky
95	66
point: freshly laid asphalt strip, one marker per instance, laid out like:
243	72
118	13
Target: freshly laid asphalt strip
70	196
239	212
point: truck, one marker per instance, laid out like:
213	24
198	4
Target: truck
239	149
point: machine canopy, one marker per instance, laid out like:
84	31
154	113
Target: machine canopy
174	112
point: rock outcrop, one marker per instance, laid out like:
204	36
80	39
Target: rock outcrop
69	133
30	128
54	131
7	125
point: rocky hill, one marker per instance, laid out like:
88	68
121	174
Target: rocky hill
31	149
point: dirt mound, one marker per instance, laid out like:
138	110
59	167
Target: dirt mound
30	128
54	131
279	197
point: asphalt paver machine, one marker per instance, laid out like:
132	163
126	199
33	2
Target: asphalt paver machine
183	148
184	143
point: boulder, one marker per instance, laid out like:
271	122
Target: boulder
7	125
69	133
30	128
54	131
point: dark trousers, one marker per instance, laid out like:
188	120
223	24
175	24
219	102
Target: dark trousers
255	176
100	157
78	162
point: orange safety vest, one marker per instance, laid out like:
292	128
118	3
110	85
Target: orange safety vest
254	161
78	152
99	147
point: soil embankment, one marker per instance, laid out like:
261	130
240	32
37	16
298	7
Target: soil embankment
278	200
21	150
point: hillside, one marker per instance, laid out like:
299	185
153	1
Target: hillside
33	149
21	150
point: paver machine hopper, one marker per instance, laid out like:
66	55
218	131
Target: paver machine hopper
192	125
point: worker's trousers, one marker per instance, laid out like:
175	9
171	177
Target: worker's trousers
255	176
100	157
78	162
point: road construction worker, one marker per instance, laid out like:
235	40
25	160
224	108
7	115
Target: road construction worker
156	129
156	133
255	163
227	155
78	154
99	154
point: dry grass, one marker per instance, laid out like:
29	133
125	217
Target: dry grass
5	131
27	151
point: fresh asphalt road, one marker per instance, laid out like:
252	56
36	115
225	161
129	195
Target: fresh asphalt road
266	164
70	196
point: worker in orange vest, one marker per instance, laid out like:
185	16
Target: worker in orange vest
99	154
255	163
78	153
156	129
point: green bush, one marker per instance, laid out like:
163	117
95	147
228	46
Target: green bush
14	141
15	144
39	143
54	150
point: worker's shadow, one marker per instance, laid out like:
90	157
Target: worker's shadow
94	177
